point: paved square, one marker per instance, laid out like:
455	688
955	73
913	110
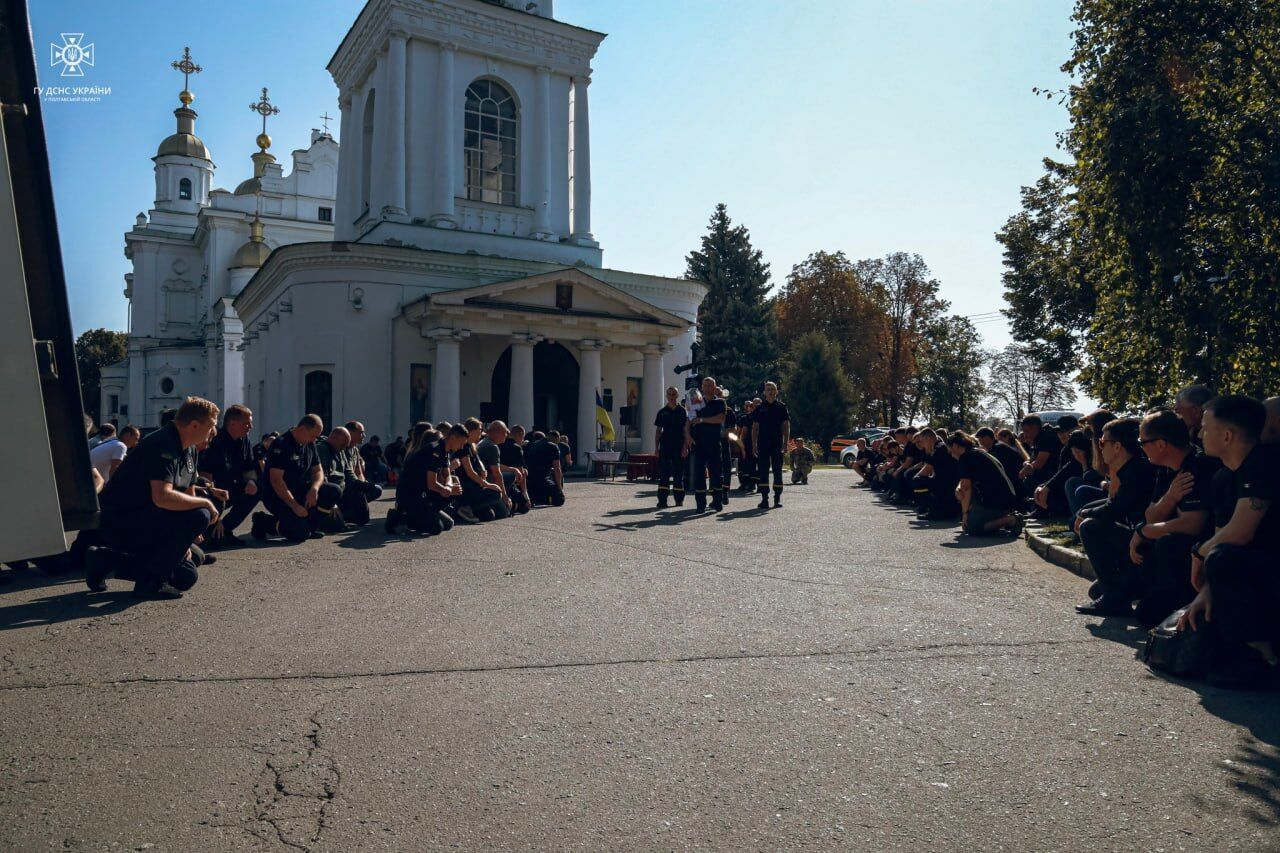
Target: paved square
608	677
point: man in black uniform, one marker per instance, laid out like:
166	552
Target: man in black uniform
670	447
297	496
426	485
987	495
228	463
542	457
332	452
726	447
148	511
357	491
704	432
935	485
770	434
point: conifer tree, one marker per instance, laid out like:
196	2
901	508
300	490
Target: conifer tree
736	322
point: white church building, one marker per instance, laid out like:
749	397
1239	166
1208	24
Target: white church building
443	266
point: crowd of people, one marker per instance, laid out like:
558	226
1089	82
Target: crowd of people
1176	510
700	439
171	499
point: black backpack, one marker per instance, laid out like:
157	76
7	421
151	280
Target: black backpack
1182	654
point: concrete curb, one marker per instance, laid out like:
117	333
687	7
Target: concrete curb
1072	561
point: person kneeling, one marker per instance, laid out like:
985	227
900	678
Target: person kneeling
482	499
542	460
297	498
148	512
935	485
426	486
986	494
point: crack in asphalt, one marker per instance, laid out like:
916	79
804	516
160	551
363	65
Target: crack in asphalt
859	655
301	790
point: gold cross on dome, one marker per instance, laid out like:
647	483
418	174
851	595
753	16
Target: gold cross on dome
186	66
264	108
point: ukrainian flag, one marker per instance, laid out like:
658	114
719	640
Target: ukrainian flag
602	418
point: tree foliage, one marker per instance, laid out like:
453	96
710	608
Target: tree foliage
1018	384
735	321
951	384
1163	234
825	294
817	391
96	349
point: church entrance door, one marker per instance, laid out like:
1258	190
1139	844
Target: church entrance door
555	389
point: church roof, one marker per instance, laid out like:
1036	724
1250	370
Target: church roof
183	145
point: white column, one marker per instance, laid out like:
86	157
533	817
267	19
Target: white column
394	128
379	167
520	400
541	167
346	205
581	162
446	377
138	388
448	142
588	382
652	394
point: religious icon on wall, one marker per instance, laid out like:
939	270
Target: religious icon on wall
564	296
419	392
633	390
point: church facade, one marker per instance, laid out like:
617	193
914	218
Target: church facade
462	276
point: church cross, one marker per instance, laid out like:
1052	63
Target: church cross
186	66
326	118
264	108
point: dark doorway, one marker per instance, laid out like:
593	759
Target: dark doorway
318	391
555	389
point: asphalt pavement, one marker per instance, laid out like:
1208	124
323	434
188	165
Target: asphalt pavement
832	675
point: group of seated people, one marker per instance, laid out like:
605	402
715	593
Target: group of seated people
170	499
1175	510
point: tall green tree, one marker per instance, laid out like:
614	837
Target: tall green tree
902	284
951	373
1168	256
816	389
96	349
736	323
824	293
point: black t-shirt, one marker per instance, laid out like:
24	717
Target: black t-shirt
946	471
992	487
227	460
489	453
294	460
159	456
1258	477
708	434
1129	504
413	474
1009	458
565	450
769	418
539	456
1203	469
470	486
671	422
511	454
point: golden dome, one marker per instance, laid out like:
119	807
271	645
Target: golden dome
186	97
255	252
249	186
183	145
264	141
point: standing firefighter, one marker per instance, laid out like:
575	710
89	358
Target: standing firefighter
670	448
704	432
770	433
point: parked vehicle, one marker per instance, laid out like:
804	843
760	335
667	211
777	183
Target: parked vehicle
846	445
1051	418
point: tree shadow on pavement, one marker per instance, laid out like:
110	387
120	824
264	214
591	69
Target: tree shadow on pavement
1255	766
65	607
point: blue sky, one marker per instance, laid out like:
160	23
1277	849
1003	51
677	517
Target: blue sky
867	126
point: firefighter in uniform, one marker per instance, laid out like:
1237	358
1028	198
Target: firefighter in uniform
671	449
730	426
747	464
770	433
704	432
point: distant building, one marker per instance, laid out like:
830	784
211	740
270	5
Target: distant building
460	274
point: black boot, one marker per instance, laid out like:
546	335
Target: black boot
99	565
393	521
764	501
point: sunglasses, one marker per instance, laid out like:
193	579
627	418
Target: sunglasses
1145	441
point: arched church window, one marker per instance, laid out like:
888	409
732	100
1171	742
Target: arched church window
166	385
490	143
184	189
318	395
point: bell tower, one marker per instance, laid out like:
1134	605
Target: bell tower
183	168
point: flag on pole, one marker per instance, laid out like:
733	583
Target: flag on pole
602	418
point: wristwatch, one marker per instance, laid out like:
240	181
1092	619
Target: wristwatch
1138	530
